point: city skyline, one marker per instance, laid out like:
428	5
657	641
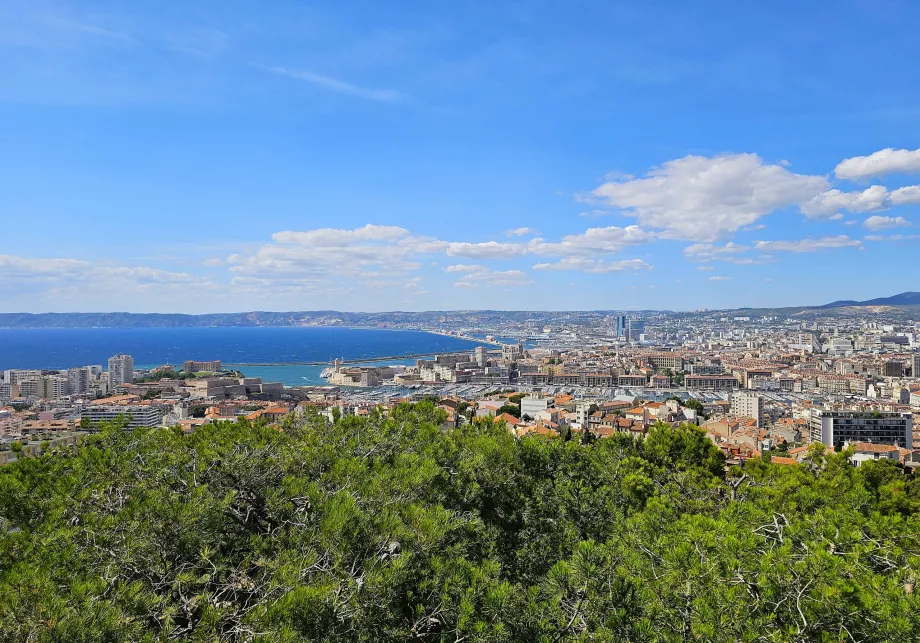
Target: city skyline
441	157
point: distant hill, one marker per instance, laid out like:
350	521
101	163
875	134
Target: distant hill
903	299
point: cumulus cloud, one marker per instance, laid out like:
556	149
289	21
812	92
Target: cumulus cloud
706	252
485	250
719	278
887	161
521	232
808	245
876	222
460	267
70	270
829	204
607	240
707	198
377	254
594	266
908	195
476	276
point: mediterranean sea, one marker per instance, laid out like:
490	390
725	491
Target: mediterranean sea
53	348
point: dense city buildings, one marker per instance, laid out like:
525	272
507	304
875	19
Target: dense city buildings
755	384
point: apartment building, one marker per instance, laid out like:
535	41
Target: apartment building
121	371
712	382
137	416
833	428
748	405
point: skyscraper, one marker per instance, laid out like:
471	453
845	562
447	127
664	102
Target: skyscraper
635	328
78	380
121	370
621	325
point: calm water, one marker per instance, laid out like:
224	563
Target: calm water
65	348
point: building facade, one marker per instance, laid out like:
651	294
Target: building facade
749	405
121	371
833	428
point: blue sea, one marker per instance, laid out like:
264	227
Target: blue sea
53	348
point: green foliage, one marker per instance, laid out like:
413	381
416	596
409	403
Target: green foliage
390	528
510	409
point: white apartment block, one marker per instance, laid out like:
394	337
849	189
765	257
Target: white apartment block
748	405
121	371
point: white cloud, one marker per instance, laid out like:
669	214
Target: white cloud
908	195
72	270
876	222
828	204
719	278
485	250
476	276
887	161
891	237
336	85
521	232
808	245
594	266
460	267
607	240
705	268
705	199
708	252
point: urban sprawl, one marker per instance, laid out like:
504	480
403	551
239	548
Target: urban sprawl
757	385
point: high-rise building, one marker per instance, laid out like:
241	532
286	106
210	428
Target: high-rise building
748	405
121	371
53	387
915	365
635	328
480	353
833	428
621	325
78	380
17	376
29	388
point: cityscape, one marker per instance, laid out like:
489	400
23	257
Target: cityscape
459	322
843	376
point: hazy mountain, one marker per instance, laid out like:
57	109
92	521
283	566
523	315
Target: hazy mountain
903	299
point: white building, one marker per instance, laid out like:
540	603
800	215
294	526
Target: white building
121	371
748	405
137	416
530	406
53	387
863	451
78	380
834	428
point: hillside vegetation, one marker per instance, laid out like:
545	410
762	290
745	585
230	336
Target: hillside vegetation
394	529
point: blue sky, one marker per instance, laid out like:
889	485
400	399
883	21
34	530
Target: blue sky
226	156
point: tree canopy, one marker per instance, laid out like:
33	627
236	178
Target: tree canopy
392	528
